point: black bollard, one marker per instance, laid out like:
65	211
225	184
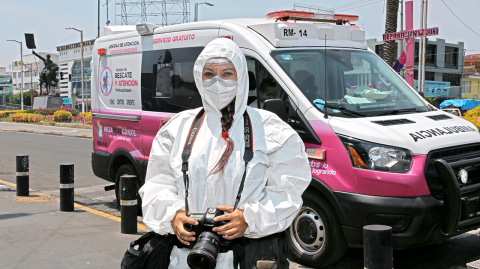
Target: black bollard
23	175
377	247
66	187
128	204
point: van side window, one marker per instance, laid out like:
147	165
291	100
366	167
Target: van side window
263	86
167	80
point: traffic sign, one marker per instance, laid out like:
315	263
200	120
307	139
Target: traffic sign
67	101
410	34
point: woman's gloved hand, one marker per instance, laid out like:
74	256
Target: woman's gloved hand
235	227
177	224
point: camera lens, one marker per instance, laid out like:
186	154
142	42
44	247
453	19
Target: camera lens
204	253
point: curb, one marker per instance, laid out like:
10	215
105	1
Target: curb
53	133
26	131
82	135
140	226
68	125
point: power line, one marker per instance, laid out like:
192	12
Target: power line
459	18
349	4
360	5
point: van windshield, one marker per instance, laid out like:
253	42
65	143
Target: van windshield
354	83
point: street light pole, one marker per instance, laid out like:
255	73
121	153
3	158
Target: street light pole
83	77
195	17
21	70
424	51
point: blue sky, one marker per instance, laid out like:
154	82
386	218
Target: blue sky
48	19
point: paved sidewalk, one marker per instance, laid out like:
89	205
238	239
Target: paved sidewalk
34	233
48	130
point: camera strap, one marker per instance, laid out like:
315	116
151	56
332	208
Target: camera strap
187	151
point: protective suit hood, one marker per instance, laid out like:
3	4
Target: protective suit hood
225	48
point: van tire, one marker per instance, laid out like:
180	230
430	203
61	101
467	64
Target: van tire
323	241
127	169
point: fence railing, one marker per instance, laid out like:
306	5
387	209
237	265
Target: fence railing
8	106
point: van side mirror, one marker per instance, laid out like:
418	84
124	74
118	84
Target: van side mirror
277	107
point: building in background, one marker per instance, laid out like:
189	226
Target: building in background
32	66
472	65
471	76
443	61
70	64
5	84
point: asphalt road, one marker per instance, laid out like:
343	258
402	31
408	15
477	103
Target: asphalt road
47	152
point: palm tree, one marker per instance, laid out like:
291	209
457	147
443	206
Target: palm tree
390	27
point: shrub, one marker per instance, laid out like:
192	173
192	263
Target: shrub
86	117
7	113
75	112
26	117
62	116
472	116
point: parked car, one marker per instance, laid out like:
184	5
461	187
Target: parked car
454	111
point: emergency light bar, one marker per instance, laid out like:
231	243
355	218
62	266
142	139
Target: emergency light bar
285	15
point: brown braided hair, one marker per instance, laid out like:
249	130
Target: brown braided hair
227	120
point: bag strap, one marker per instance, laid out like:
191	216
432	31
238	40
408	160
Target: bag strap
187	151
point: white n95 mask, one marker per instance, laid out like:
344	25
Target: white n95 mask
221	92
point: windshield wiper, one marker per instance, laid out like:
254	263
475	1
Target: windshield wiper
396	111
346	110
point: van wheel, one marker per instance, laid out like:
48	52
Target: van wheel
315	236
127	169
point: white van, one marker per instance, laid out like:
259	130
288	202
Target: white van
379	153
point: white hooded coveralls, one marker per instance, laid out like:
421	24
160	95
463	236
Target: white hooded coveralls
276	177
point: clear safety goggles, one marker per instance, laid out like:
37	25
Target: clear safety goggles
224	82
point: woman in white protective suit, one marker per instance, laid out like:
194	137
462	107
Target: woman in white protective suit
275	177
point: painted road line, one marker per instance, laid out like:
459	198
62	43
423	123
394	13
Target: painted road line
88	209
24	130
53	133
82	135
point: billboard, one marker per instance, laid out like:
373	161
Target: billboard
435	88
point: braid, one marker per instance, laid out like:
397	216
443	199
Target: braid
227	120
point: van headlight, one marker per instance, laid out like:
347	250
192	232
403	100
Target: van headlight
378	157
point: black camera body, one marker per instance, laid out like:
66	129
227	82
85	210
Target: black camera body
207	242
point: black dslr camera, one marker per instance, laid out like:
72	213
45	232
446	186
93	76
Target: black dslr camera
204	253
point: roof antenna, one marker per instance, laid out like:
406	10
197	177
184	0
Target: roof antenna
325	78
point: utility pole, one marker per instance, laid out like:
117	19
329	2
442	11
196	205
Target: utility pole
424	46
402	41
195	17
83	77
32	94
98	25
21	70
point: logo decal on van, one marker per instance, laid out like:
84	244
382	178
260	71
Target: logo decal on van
106	81
99	129
424	134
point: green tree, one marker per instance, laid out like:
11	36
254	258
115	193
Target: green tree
8	97
390	27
